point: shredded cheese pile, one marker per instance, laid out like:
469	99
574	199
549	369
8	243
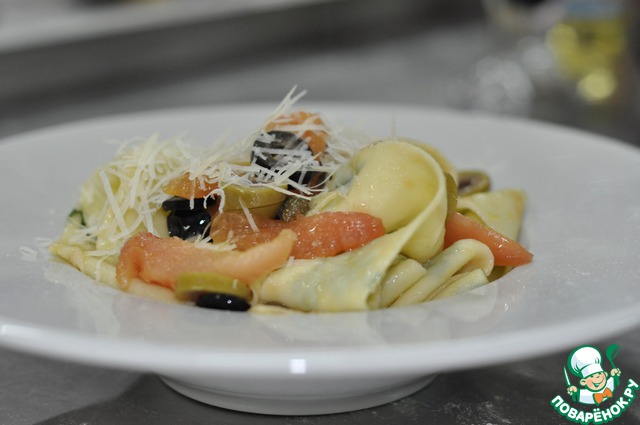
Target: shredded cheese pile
125	196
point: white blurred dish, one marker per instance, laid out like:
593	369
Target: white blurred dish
582	223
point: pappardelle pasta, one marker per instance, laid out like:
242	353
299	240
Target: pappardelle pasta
296	216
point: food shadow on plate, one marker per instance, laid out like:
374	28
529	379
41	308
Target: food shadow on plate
105	311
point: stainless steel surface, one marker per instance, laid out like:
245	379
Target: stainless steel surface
419	53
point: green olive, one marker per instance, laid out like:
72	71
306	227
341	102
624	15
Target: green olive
452	194
261	200
472	181
190	286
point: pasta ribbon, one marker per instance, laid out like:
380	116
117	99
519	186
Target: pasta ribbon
460	283
397	182
378	180
346	282
120	199
501	210
463	256
401	185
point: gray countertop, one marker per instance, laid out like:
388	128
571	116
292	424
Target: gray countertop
429	59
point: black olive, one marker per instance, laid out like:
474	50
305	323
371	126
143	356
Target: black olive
311	179
187	224
222	302
274	161
281	140
177	203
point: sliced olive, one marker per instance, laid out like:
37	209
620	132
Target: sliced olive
265	153
222	302
177	203
263	148
190	286
292	208
452	194
470	182
251	197
187	224
184	221
311	179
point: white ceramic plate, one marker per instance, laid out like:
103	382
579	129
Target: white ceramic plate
582	223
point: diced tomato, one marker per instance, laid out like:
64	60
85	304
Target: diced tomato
316	139
320	235
160	261
506	252
186	188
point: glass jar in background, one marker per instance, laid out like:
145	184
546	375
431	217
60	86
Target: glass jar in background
517	65
566	61
590	48
593	49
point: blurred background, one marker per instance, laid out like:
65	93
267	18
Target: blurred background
573	62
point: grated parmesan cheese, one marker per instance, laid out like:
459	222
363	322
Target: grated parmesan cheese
249	216
125	196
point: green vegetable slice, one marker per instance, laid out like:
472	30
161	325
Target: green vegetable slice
251	196
452	194
190	286
261	200
77	216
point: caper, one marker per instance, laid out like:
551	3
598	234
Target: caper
292	208
472	181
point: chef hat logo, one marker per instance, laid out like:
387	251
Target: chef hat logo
585	361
